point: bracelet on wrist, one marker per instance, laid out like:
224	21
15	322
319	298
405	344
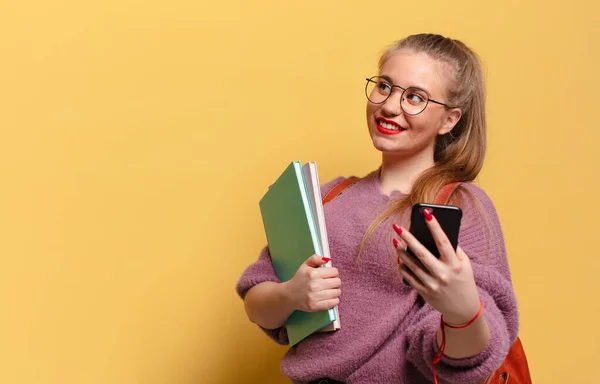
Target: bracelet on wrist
438	356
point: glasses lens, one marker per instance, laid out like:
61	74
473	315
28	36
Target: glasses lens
414	101
378	90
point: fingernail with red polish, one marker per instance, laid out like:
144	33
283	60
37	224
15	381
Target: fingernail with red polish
398	260
397	229
427	214
325	259
396	243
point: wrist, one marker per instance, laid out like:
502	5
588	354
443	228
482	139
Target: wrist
287	297
463	319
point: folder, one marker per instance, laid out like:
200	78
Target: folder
293	219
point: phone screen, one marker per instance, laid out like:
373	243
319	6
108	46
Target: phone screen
449	218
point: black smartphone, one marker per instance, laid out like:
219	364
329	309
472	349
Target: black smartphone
449	218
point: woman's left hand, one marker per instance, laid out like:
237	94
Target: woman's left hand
447	283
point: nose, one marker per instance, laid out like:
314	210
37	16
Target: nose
392	105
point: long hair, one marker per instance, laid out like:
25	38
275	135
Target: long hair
459	154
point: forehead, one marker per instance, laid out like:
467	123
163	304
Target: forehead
417	69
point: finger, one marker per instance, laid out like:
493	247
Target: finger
328	294
320	285
326	304
324	273
461	255
332	283
442	242
416	268
316	261
423	255
411	279
399	244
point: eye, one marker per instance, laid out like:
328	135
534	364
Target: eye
415	96
384	87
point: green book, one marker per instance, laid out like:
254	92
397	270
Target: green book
293	236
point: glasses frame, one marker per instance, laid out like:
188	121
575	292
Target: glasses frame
371	80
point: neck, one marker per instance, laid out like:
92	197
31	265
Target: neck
399	173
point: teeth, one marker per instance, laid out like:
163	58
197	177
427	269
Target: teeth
389	126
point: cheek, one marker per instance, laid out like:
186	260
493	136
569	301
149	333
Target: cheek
423	123
371	109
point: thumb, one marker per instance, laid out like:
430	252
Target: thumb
461	254
316	261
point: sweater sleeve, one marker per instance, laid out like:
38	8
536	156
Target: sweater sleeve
262	271
482	240
259	272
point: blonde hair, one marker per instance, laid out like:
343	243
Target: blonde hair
459	154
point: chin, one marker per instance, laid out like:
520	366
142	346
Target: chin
385	146
382	141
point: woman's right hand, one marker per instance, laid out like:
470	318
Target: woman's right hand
314	288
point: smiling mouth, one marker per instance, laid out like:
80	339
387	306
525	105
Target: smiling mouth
389	127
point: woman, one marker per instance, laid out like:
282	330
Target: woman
426	115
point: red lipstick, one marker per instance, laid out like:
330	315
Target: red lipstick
398	129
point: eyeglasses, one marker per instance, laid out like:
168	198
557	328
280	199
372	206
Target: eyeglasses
412	101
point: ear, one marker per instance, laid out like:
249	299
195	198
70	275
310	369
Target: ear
452	118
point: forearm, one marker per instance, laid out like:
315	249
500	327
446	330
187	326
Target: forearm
267	304
474	364
465	342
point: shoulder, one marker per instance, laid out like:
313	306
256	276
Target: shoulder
477	203
475	192
328	186
340	184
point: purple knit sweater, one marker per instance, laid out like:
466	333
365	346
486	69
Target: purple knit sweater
388	332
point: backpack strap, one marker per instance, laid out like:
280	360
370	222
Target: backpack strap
444	194
338	188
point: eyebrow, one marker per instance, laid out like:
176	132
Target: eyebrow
386	77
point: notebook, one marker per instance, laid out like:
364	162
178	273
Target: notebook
311	178
290	212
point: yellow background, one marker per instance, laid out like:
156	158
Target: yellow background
137	138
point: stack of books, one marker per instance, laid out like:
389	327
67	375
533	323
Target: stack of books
292	214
